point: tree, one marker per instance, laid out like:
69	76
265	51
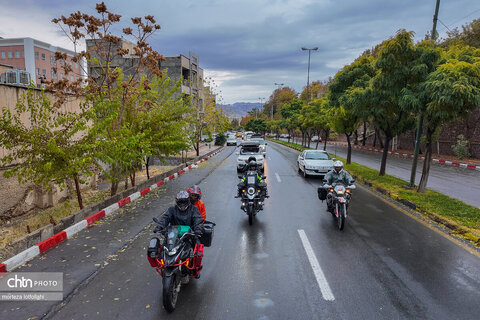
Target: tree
51	144
316	90
256	125
111	94
278	99
290	113
347	100
470	35
451	91
395	64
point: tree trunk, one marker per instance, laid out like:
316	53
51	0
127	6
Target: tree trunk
355	134
422	186
364	140
375	139
327	133
126	181
349	148
384	156
380	141
78	191
146	168
197	149
132	178
113	188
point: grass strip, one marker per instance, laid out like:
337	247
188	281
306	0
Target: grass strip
458	216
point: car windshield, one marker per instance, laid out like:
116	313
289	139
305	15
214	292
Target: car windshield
250	150
261	141
317	156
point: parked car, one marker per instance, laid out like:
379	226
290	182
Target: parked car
315	139
314	163
231	141
247	150
285	135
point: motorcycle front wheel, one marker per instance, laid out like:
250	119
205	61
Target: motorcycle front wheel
341	217
170	293
250	215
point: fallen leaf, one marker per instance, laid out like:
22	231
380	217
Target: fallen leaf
147	306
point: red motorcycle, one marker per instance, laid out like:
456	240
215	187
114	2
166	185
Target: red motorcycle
177	258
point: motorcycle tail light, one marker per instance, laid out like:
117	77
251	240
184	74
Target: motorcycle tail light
331	190
348	191
339	192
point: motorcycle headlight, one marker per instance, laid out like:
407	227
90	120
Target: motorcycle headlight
173	251
251	190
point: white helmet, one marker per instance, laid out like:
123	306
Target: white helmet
338	166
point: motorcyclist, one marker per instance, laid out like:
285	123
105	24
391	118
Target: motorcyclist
337	176
195	194
252	166
182	213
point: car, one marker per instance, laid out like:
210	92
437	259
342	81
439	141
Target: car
250	149
314	163
315	139
231	141
285	135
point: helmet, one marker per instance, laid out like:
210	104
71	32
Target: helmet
338	166
252	165
195	193
182	200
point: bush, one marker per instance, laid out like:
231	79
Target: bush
461	147
220	139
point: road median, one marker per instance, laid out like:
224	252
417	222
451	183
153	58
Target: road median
462	219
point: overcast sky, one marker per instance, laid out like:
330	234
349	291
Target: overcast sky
247	46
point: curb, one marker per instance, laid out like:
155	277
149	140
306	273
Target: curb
410	156
456	228
35	250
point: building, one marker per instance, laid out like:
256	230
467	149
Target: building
38	59
187	69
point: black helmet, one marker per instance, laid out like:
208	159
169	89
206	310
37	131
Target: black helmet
183	200
195	193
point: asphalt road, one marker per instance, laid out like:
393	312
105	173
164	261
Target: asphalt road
384	265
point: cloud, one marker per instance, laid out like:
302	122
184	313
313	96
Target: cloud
247	46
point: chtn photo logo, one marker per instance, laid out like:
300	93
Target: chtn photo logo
17	282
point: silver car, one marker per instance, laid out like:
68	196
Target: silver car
314	163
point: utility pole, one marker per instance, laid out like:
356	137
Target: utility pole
308	72
420	118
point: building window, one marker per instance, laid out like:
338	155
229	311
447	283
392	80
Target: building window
23	54
36	55
61	76
43	56
76	65
10	55
61	62
44	72
3	54
17	54
38	71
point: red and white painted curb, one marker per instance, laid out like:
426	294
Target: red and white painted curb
409	155
46	244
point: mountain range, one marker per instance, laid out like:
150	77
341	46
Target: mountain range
240	109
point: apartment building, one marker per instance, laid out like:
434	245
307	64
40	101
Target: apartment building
187	69
38	59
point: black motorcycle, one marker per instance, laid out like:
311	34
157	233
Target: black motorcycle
252	195
177	258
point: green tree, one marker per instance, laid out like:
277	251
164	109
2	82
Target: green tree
48	142
397	59
451	90
256	125
290	113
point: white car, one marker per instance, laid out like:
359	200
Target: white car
250	149
261	141
231	141
316	138
314	163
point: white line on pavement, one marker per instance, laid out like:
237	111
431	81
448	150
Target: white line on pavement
278	177
317	270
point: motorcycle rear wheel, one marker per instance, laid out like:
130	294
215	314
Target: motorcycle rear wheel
170	293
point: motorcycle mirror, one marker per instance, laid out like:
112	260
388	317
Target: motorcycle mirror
264	177
353	181
156	220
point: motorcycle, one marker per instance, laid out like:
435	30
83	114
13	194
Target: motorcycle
339	197
252	196
178	258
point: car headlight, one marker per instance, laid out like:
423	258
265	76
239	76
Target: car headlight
309	167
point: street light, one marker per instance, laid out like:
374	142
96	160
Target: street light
308	72
261	102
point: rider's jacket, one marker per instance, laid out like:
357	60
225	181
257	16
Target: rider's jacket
342	177
259	178
201	207
190	217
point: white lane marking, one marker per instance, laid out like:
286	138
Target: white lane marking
317	270
278	177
